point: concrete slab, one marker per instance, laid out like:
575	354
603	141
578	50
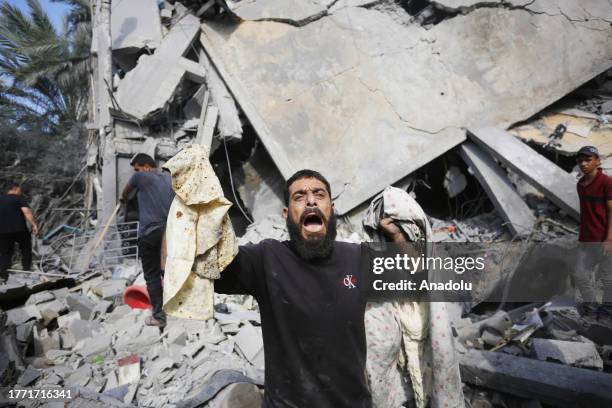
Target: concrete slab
98	344
558	185
81	376
250	342
567	352
494	180
110	289
30	375
66	320
296	12
229	125
151	84
326	94
23	332
40	297
466	5
135	25
81	304
45	341
176	335
22	314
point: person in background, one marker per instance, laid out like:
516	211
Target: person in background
595	237
14	211
155	194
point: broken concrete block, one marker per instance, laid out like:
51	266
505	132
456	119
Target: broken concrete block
297	12
56	307
250	342
500	321
496	183
43	341
30	375
230	125
110	289
111	381
82	304
22	314
98	344
193	107
135	25
81	329
567	352
117	314
40	297
150	85
61	294
559	185
230	328
24	331
55	354
66	320
159	366
176	335
81	376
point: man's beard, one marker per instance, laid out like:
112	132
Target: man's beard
313	248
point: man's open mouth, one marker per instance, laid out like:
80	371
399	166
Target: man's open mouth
313	222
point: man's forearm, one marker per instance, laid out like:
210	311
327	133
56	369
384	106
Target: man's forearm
32	221
127	190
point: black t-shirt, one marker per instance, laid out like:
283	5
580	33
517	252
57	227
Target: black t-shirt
11	216
312	316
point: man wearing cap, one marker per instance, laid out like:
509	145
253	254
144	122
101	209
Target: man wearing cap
595	237
155	194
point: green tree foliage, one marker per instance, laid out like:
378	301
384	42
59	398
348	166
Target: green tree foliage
44	74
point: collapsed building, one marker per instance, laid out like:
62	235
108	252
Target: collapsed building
370	93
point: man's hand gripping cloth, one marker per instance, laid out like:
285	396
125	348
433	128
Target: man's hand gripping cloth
199	235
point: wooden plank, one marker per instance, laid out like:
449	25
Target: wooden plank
558	185
494	180
550	383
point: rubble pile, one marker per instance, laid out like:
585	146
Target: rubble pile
79	339
544	352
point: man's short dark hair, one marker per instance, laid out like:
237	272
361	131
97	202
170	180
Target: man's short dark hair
142	159
303	174
13	185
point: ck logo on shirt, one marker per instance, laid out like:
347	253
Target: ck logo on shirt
350	281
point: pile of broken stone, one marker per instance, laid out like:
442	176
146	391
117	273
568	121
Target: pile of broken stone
543	352
85	339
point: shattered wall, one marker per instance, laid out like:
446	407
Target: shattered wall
366	98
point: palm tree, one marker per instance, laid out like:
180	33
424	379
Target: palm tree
43	72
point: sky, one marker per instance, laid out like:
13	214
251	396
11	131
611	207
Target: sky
56	11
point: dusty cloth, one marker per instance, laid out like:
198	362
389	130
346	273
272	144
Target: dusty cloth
427	349
200	239
388	384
